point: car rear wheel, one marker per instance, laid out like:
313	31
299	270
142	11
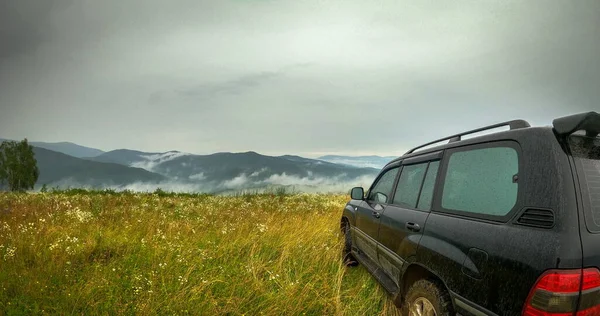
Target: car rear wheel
427	298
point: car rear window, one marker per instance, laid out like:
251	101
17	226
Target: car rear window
586	151
480	181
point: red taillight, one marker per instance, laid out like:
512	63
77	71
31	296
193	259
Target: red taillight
530	311
594	311
591	279
564	292
564	281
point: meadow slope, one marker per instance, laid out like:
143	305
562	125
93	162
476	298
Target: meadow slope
99	253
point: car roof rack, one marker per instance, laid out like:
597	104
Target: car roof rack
567	125
514	124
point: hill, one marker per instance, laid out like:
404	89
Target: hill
67	148
60	169
121	156
183	172
223	172
228	166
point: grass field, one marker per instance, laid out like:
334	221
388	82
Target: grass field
100	253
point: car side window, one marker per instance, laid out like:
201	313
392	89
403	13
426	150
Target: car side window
381	191
428	185
481	181
409	185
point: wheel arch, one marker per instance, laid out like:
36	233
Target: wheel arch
343	222
415	272
349	214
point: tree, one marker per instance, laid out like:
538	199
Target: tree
18	167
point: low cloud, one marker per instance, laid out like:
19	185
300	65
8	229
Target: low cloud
361	162
327	185
151	161
257	173
284	179
237	182
340	183
240	183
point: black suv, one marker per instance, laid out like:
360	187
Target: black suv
506	223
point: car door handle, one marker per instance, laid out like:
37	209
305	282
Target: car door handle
376	214
413	227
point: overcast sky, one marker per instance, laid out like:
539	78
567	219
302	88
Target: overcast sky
289	77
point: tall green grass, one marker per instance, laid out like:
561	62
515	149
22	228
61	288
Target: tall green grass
81	252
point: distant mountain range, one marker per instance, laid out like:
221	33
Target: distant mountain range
376	162
230	171
178	171
67	148
58	169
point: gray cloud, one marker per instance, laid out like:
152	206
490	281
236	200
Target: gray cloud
238	85
235	86
305	77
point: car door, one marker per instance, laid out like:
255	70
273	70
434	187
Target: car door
402	224
368	212
469	240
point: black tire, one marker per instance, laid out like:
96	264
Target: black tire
347	256
430	291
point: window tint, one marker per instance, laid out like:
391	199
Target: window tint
409	185
481	181
383	188
586	151
428	185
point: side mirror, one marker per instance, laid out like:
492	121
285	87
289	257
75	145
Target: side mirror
357	193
